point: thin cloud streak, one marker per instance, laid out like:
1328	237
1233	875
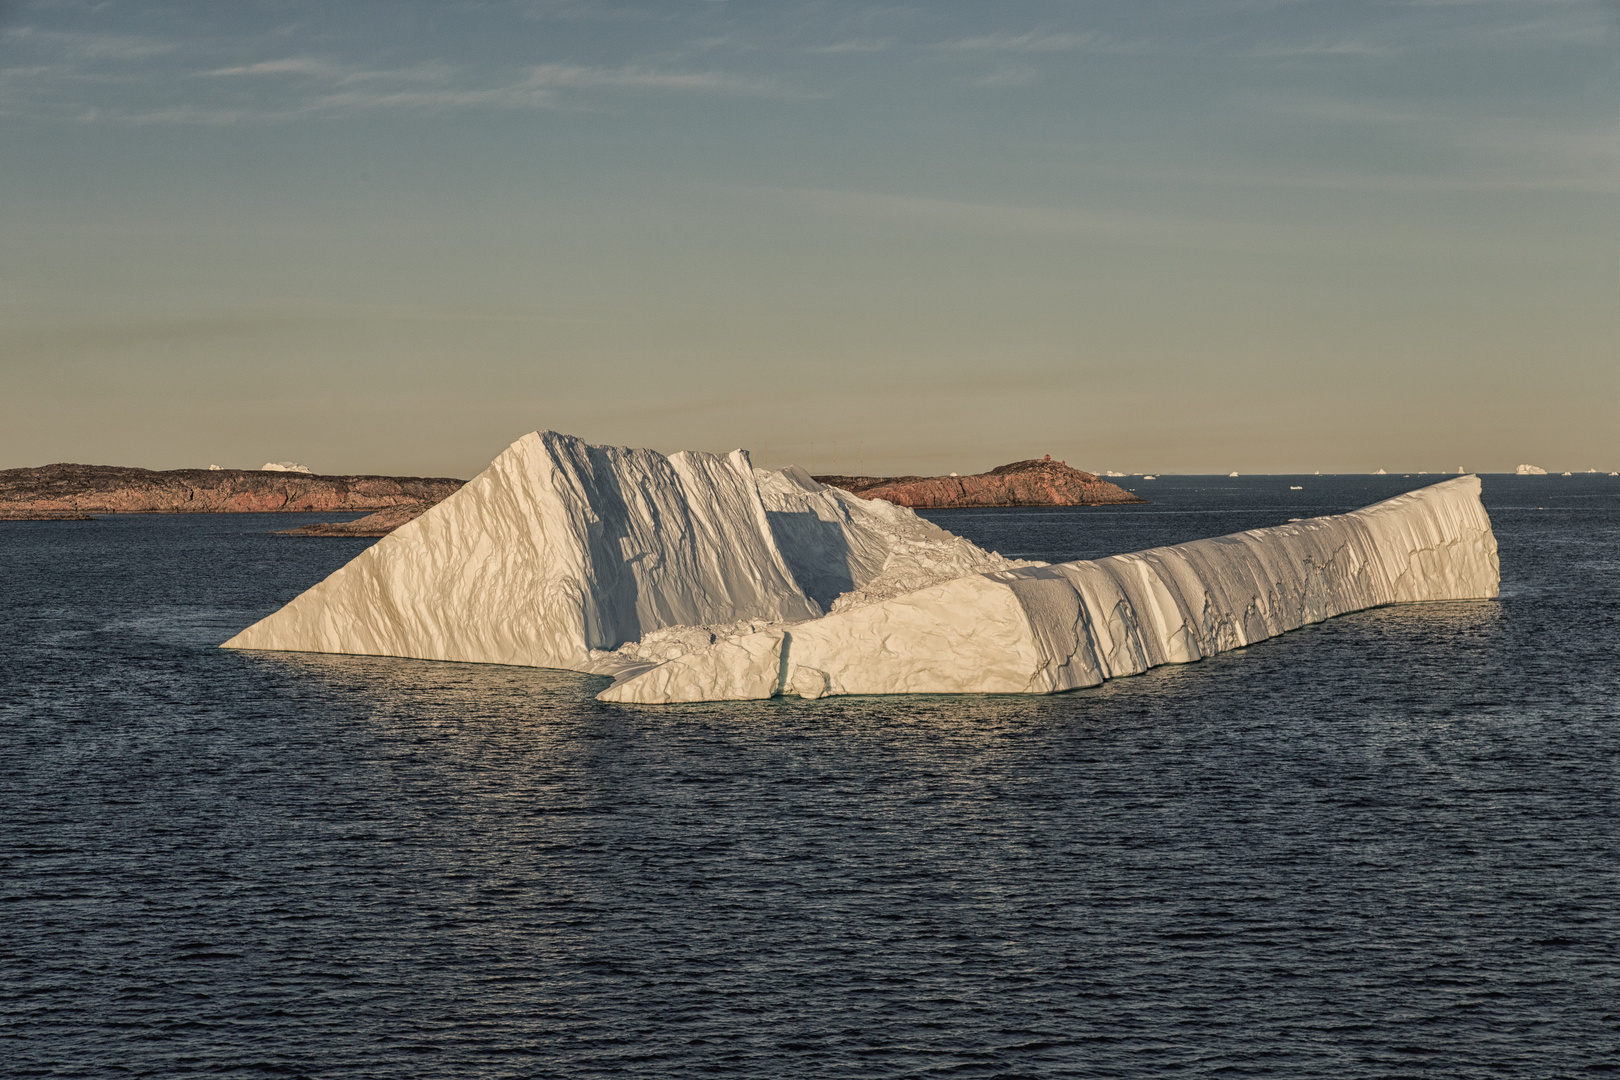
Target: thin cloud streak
77	45
544	86
298	65
1001	219
1125	228
855	46
302	86
1032	41
1011	75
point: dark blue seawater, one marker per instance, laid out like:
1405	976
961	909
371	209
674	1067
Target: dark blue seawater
1388	845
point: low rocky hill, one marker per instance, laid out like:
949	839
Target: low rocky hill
77	491
1037	482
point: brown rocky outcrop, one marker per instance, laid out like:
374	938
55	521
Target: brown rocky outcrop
43	515
1022	483
380	523
56	492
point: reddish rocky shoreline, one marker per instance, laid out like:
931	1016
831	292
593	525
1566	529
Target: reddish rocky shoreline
69	492
1035	482
75	492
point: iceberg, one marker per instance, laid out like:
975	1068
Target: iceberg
601	558
1529	470
1071	625
284	466
695	577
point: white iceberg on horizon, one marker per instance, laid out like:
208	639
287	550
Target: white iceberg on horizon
696	577
284	466
1529	470
561	552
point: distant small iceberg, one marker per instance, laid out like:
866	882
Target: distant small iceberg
1380	472
1230	475
1529	470
285	466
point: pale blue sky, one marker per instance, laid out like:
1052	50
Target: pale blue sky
1263	235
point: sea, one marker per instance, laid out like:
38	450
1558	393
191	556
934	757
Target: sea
1384	846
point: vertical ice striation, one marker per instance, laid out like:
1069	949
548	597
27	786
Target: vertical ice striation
557	549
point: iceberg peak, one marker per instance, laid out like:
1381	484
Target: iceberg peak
561	553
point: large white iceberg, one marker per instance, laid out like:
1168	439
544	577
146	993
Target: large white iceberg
561	552
697	578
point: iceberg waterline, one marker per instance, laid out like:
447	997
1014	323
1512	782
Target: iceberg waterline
696	577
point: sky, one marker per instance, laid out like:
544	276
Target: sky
1142	235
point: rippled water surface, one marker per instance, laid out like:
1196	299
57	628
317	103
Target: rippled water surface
1383	846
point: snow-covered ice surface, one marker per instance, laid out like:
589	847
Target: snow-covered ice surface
696	577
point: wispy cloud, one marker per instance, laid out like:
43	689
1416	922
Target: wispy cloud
76	45
855	45
544	86
431	71
1030	41
1503	152
1256	234
1007	75
1015	220
124	78
1312	49
297	65
576	75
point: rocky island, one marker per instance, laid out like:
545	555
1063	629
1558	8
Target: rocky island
75	492
1037	482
